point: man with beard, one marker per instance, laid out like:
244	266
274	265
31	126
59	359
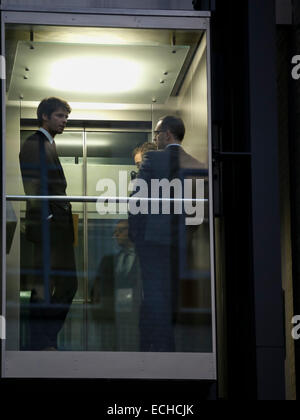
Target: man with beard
49	226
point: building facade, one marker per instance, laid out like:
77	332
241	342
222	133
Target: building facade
225	69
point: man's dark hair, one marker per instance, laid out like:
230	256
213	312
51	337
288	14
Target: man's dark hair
144	148
175	125
50	105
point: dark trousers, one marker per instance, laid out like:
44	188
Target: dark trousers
55	285
159	295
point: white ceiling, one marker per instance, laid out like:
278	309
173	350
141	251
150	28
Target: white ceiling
129	74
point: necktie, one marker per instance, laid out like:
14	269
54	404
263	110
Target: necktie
124	262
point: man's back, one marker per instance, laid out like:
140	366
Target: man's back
174	165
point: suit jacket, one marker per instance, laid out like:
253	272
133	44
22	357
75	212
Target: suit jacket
171	163
43	174
104	290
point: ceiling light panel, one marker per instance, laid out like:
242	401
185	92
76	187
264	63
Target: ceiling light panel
131	74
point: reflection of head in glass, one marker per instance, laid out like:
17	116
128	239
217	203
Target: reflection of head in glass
139	152
169	130
121	234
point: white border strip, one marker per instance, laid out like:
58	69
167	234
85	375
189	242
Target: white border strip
112	365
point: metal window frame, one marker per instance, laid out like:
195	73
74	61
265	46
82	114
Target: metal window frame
107	11
3	199
200	366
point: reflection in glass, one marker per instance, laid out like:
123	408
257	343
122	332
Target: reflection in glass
113	269
112	310
116	293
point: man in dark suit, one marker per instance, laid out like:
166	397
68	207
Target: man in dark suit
116	295
49	226
161	238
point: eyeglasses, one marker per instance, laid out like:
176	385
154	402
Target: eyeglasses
156	133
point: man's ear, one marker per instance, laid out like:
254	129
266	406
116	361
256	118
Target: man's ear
168	134
45	117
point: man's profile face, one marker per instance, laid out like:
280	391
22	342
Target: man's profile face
121	233
160	136
57	121
138	159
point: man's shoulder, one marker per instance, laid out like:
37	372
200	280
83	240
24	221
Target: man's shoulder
107	262
190	162
152	154
185	160
155	155
37	135
150	160
160	160
31	143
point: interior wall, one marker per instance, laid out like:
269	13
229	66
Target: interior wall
13	186
191	105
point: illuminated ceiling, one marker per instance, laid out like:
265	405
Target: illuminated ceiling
93	73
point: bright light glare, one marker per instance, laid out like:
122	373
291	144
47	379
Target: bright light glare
78	143
100	106
95	75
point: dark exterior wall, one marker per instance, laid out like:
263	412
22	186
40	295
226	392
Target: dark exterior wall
230	141
284	12
116	4
263	117
246	143
294	132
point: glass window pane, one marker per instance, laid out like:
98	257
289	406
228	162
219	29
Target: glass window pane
143	273
174	253
114	273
